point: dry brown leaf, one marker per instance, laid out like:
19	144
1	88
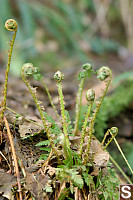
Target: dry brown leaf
51	170
6	183
29	127
100	157
35	167
35	183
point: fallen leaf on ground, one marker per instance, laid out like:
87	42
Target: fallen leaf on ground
6	183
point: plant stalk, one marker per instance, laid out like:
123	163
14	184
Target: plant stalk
64	124
84	129
6	74
46	126
96	112
78	105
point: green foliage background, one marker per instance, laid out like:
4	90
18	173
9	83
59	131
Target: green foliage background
68	24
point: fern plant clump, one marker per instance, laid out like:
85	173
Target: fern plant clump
80	156
79	159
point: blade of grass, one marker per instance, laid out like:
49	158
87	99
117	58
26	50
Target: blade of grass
120	170
124	157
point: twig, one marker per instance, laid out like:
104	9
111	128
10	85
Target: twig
5	160
76	193
47	161
14	157
62	187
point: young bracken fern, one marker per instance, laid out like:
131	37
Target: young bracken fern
80	160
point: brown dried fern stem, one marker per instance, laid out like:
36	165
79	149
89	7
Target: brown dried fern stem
10	25
14	158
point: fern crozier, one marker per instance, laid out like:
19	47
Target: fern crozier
103	73
90	95
11	25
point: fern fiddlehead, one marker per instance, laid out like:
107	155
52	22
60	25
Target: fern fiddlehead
10	25
104	74
113	131
82	76
29	70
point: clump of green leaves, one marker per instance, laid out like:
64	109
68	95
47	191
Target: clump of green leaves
109	185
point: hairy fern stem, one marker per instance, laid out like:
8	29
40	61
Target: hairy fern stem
104	74
24	72
58	77
10	25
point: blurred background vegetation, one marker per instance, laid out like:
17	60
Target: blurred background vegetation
65	33
51	33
